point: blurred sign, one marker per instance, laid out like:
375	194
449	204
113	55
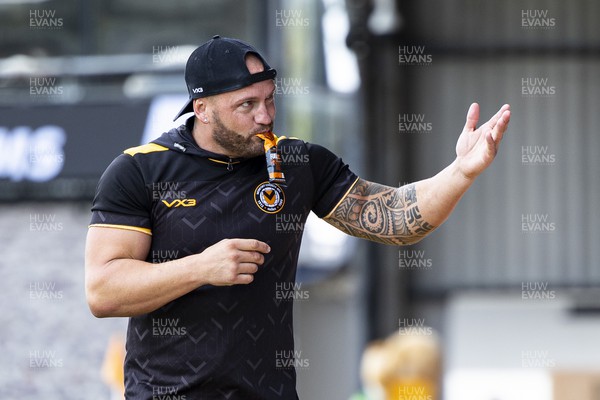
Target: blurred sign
60	151
32	154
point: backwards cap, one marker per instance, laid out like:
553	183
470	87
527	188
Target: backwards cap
219	66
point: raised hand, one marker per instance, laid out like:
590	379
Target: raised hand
477	147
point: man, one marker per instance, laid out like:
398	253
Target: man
183	234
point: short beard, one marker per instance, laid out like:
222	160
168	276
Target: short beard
236	145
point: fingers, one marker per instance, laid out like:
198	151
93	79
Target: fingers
494	120
241	273
472	117
240	279
250	245
500	125
244	279
491	144
244	272
236	260
253	257
247	268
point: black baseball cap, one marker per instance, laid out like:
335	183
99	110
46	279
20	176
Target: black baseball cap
219	66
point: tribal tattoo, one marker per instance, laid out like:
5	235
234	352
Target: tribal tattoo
381	213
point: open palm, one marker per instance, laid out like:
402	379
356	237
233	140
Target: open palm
477	147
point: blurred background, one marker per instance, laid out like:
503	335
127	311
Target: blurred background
508	287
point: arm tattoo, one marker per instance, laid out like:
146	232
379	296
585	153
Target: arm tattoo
381	213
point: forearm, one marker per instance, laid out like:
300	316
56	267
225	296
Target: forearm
129	287
437	196
403	215
380	213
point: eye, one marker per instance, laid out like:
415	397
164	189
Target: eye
246	104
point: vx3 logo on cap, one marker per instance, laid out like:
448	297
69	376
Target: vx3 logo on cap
198	90
180	203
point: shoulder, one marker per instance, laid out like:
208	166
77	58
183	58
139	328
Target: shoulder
145	158
145	149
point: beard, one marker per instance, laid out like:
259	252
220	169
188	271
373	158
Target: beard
235	144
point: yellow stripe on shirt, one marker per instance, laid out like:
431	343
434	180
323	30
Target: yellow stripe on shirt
126	227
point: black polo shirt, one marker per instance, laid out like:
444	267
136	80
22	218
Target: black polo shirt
231	342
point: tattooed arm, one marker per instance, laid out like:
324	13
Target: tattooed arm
407	214
381	213
398	216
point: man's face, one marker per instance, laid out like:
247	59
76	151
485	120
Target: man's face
236	117
242	115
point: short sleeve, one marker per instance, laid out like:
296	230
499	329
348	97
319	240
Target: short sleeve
121	200
332	177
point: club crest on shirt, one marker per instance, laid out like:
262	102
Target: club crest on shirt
269	197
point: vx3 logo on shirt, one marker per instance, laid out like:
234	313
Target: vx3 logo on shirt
180	203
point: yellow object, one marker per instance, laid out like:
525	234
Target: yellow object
402	367
145	149
269	139
411	389
112	367
273	158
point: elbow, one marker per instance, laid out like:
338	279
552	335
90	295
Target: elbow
414	240
98	308
99	303
408	241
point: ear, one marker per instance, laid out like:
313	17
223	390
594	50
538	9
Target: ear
200	110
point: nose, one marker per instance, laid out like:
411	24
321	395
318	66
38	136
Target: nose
264	115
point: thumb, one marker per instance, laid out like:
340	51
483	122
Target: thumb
472	117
